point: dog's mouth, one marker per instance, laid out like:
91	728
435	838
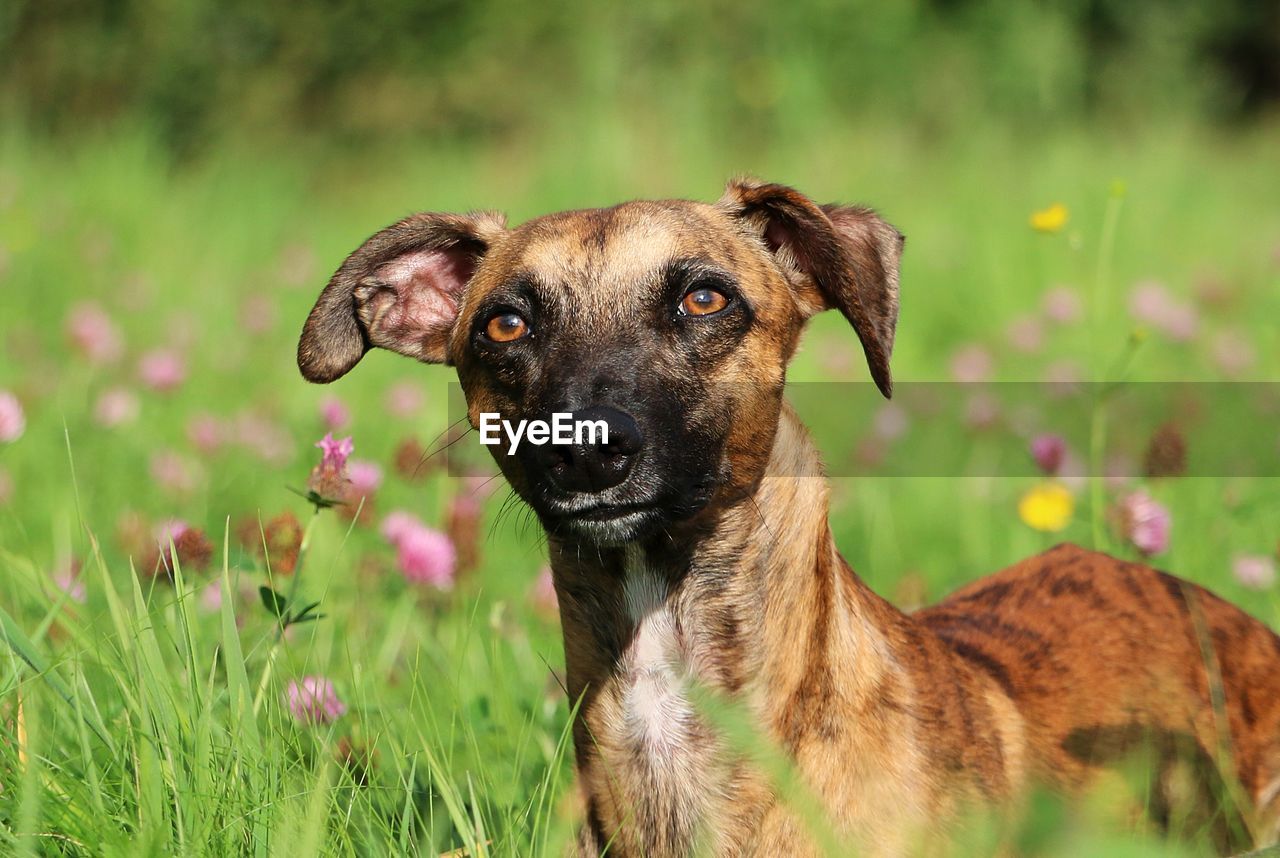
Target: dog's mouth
647	502
587	511
613	523
612	512
606	524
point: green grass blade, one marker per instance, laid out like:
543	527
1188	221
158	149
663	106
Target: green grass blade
26	650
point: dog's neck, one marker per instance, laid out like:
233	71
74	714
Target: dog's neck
760	608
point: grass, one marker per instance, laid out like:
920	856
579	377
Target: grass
146	721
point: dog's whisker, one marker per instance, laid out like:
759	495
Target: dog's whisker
426	458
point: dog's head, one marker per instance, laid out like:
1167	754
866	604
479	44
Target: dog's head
670	322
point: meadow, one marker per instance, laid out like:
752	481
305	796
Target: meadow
389	695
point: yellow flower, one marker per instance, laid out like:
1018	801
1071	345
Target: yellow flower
1047	507
1052	219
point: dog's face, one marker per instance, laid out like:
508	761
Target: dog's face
671	323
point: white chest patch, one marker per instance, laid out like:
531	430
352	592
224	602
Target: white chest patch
655	709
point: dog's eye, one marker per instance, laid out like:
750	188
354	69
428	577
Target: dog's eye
703	301
506	327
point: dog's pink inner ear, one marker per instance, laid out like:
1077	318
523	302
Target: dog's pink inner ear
775	235
410	304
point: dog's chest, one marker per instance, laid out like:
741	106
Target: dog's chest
659	754
656	712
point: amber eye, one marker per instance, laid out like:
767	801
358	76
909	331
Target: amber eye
506	327
703	302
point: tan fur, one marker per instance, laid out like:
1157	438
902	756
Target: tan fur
898	722
1047	672
892	742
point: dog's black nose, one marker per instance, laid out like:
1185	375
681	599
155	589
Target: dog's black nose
606	442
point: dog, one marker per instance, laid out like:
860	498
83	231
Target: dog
691	549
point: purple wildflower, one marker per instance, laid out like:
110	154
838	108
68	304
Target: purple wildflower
543	594
1026	334
365	477
162	370
329	478
211	597
1151	303
1049	451
334	413
1062	305
94	334
314	701
971	364
116	407
427	556
1255	571
423	555
1145	523
13	422
68	581
404	400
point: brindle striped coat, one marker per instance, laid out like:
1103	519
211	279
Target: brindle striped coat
1047	672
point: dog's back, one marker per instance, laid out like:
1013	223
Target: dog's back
1105	658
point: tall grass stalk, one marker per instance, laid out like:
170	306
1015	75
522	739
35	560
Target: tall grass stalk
1098	417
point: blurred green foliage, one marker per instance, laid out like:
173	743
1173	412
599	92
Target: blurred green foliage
355	69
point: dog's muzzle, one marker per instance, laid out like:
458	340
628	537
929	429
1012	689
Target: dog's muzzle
598	464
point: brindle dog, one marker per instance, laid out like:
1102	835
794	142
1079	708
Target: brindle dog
694	545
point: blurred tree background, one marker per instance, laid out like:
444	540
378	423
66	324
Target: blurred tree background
193	71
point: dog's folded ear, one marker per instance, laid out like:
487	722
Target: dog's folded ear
843	257
400	291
